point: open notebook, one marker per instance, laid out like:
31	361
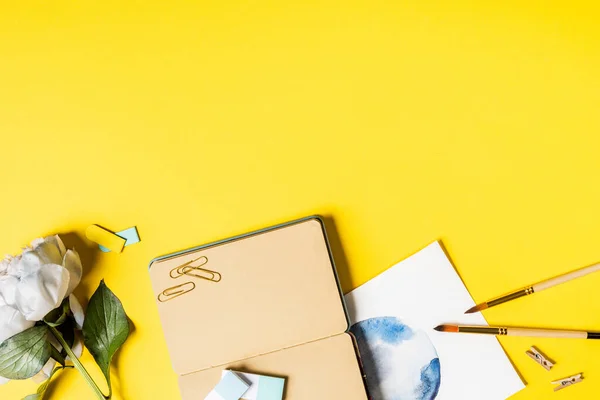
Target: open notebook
274	308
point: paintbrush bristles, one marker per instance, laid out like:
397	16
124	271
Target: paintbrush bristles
477	308
446	328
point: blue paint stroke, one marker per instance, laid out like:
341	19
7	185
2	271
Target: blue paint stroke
392	355
430	380
387	329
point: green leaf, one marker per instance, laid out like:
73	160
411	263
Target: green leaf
39	395
25	354
58	316
55	354
106	327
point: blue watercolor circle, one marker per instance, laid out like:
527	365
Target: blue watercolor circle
400	363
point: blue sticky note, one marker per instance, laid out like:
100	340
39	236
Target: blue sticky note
231	387
270	388
130	235
262	387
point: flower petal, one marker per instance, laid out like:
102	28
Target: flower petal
54	240
41	292
24	264
48	250
36	242
61	246
77	311
72	263
77	348
12	264
8	290
54	342
4	265
3	380
12	322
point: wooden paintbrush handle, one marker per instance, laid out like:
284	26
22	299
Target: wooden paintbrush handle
566	277
547	333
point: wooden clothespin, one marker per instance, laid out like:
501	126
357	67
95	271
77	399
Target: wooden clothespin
563	383
539	358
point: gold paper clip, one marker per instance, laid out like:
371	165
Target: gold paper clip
565	382
179	269
195	270
212	276
539	358
176	291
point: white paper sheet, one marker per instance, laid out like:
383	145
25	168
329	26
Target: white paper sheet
424	291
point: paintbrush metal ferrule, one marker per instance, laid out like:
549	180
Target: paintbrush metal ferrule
503	299
482	330
593	335
485	330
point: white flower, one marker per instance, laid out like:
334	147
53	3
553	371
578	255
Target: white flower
38	280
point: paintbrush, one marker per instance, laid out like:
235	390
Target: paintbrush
538	287
505	331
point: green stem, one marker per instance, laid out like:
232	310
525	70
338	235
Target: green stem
78	365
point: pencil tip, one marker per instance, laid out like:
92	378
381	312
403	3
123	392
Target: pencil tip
477	308
446	328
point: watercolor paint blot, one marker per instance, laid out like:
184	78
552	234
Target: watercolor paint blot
400	363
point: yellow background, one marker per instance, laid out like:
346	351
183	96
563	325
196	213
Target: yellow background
404	121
